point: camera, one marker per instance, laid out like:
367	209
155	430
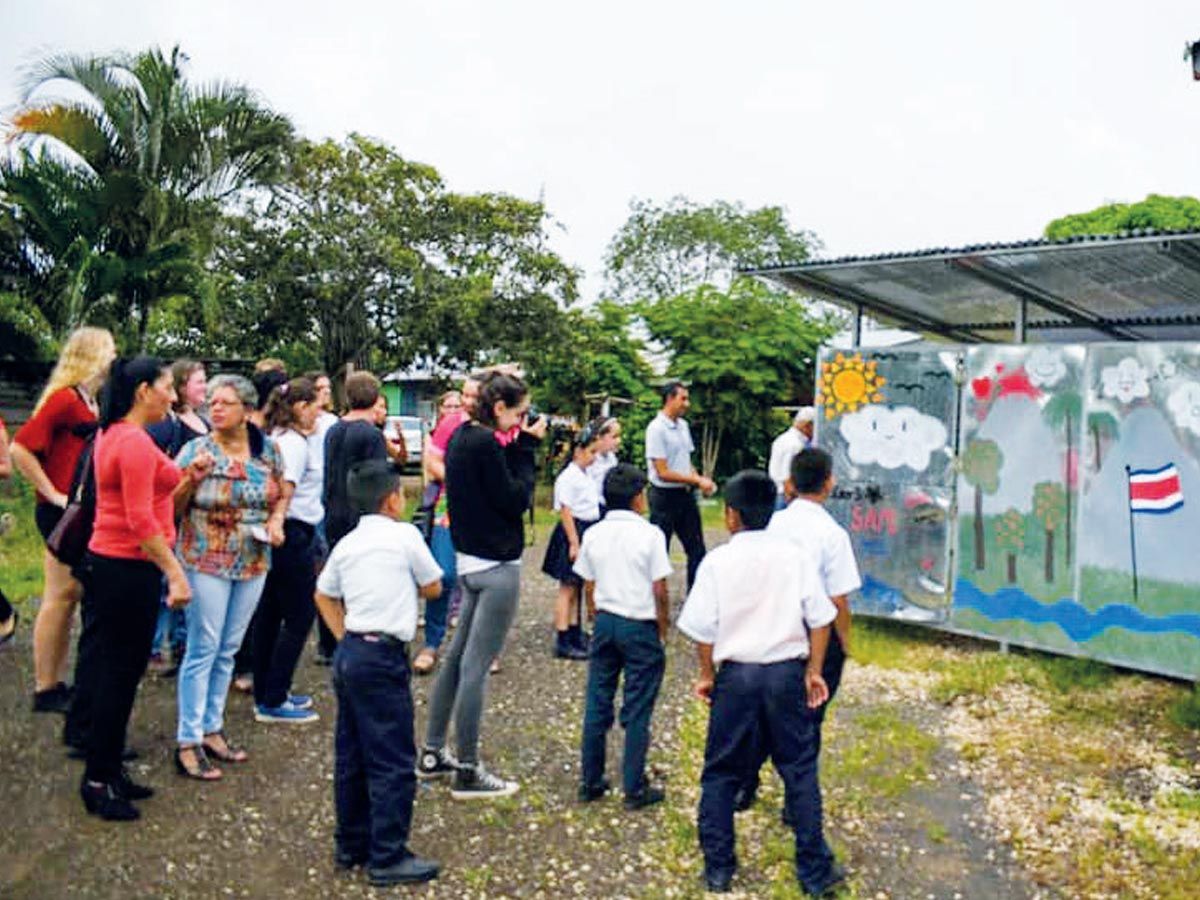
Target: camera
532	415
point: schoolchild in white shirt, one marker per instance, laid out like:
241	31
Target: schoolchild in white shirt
757	611
577	501
367	595
608	442
808	525
624	566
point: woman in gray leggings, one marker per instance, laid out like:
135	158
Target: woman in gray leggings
489	482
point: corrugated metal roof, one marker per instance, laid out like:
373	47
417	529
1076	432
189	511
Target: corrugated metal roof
1142	285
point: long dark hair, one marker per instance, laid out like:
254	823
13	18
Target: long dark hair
125	376
494	387
280	412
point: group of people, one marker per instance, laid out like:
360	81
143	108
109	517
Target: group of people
252	507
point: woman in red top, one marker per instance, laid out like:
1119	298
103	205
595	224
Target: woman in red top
128	556
8	615
45	450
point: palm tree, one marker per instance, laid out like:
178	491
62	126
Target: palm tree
163	155
981	464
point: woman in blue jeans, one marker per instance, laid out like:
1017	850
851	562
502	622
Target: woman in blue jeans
226	516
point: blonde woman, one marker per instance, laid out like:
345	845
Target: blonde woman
45	451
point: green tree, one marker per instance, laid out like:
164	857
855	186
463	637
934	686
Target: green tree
741	352
981	463
1064	410
367	256
1102	426
1155	212
152	156
1010	536
1049	508
665	251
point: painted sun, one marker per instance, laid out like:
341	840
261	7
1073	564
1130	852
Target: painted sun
846	383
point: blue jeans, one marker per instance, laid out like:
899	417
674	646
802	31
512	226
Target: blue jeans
172	627
217	619
752	704
437	611
631	645
374	779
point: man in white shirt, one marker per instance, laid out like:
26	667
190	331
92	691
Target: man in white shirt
624	566
367	594
758	610
785	447
673	481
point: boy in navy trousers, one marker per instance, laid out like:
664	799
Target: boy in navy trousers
757	610
624	566
367	595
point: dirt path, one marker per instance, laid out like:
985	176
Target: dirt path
266	829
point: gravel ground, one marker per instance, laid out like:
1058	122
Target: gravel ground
266	829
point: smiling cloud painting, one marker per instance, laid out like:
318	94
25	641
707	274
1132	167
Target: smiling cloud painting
892	438
1127	380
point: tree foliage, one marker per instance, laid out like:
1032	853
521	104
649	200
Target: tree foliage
1156	212
741	351
665	251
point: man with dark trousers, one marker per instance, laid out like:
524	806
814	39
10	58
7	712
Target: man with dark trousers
758	611
673	481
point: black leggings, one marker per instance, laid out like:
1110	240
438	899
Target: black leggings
285	614
125	596
6	609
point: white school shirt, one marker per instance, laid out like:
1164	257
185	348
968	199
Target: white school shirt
376	570
624	555
753	598
575	490
810	526
669	439
783	450
305	469
602	464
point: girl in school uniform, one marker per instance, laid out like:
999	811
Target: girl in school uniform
608	441
578	504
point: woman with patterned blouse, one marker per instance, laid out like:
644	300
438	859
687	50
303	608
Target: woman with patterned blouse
230	519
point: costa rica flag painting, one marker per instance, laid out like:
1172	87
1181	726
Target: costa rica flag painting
1155	491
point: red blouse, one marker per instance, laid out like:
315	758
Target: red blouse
50	435
135	487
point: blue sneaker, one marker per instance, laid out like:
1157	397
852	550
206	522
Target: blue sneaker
285	713
299	701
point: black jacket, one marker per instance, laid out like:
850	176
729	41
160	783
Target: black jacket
488	487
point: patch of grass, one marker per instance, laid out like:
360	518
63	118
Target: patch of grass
978	675
1067	674
936	832
896	645
885	762
1185	710
1184	801
21	550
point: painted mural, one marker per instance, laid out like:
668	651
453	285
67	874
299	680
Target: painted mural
1138	597
1018	511
888	418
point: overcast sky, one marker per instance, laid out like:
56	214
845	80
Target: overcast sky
880	126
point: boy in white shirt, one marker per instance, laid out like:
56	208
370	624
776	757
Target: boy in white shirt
367	595
624	566
756	609
806	523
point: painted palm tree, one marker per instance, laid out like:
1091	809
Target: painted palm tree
981	463
1104	427
1064	410
161	153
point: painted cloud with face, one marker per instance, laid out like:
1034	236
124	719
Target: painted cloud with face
891	438
1045	367
1128	380
1184	404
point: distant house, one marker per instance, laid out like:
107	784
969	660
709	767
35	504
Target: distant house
414	391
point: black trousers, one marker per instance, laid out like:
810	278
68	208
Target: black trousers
125	599
755	705
674	510
375	763
285	614
6	609
78	724
831	671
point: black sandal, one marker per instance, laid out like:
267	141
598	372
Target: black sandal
230	754
203	771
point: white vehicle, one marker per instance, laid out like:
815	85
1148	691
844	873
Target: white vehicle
413	430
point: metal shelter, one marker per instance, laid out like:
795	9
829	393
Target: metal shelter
1138	286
